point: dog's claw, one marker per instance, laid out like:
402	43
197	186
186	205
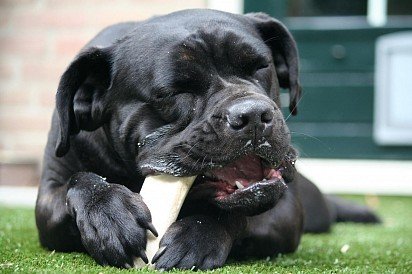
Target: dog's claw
152	229
159	253
143	256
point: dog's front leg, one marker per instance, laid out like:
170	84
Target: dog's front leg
57	229
198	241
109	219
112	220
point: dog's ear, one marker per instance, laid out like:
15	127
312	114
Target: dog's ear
80	95
285	54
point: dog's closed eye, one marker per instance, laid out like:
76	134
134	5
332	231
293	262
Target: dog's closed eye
262	66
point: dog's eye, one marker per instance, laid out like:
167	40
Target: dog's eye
262	66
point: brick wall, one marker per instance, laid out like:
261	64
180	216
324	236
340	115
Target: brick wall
38	38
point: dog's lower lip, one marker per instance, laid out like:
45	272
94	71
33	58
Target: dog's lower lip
228	197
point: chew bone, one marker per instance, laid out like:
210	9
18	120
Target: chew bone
164	195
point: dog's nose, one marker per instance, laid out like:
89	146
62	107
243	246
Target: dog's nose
250	115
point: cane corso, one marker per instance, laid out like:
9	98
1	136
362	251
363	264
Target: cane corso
195	92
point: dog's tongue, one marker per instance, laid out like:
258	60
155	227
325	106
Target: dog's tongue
248	167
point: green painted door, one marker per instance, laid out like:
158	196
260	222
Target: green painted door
337	50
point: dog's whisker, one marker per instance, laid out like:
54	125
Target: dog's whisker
203	161
195	164
303	153
297	104
190	149
324	145
306	135
276	37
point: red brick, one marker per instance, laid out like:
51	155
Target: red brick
42	71
49	19
13	3
6	71
47	99
19	174
4	17
22	45
23	144
40	38
95	4
106	18
15	122
14	98
70	45
31	145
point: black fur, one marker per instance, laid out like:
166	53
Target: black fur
182	94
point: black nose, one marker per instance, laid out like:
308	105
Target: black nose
250	115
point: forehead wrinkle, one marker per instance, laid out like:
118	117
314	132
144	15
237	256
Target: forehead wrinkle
211	51
235	45
216	42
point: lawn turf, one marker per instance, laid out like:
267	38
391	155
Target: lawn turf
385	248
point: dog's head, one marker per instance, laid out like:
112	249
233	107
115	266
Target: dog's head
191	93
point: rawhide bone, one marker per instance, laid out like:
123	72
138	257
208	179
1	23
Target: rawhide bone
164	196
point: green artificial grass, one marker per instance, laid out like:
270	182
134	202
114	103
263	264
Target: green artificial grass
385	248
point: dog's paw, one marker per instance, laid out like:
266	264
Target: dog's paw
111	219
195	242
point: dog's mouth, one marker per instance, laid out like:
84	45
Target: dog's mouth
249	185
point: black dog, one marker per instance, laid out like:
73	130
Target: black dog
194	92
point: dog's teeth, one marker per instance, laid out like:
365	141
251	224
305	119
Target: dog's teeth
239	185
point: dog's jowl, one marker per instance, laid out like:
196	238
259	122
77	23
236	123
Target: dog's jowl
192	93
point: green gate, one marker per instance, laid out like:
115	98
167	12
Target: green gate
337	50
